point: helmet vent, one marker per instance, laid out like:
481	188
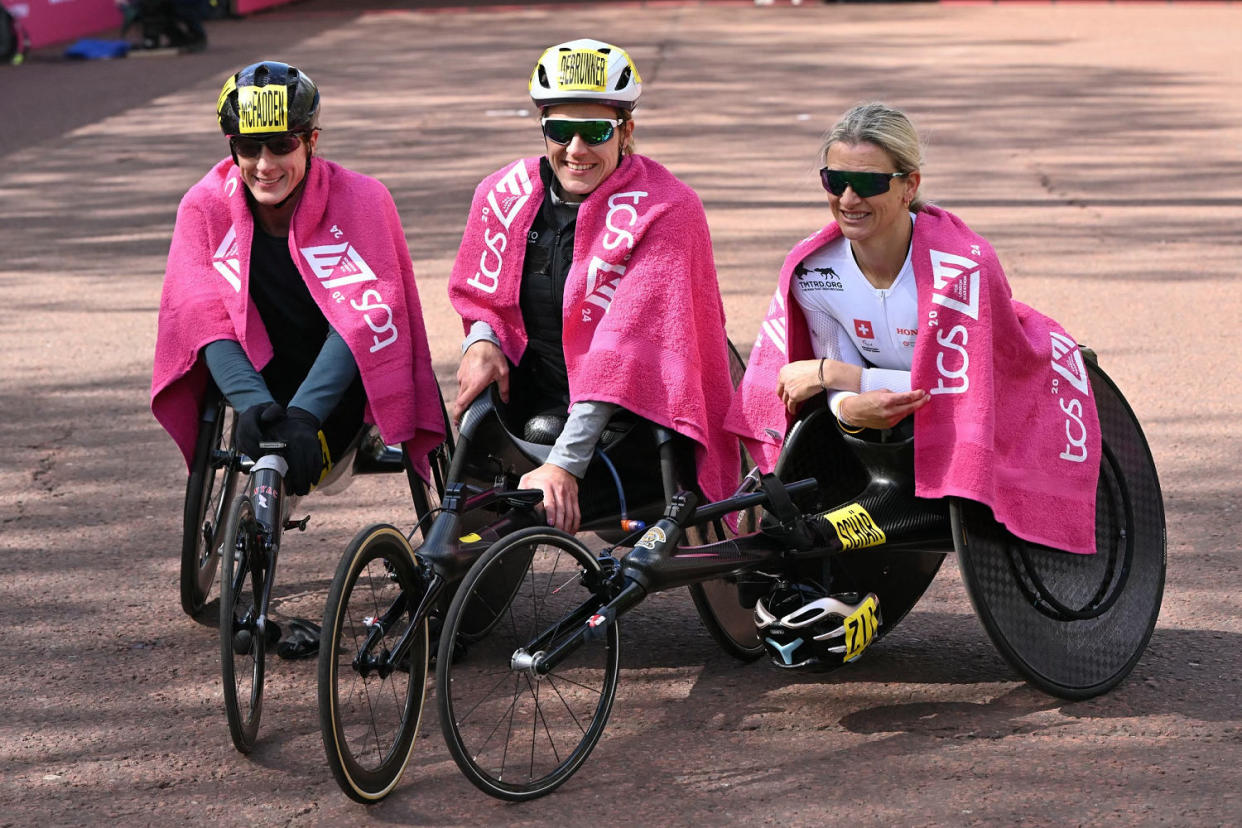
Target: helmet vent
623	79
543	77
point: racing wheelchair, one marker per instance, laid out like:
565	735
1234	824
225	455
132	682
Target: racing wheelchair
236	511
844	550
387	603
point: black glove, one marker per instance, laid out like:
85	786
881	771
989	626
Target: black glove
250	425
305	454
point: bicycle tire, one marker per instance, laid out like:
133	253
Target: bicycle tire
730	624
369	717
243	647
209	491
481	691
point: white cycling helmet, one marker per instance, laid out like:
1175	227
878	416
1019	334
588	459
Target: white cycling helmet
585	71
801	625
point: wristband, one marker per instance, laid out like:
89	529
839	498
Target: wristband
834	405
821	373
848	429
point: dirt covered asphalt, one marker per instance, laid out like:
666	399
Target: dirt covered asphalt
1095	145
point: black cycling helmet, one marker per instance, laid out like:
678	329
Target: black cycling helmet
268	97
803	626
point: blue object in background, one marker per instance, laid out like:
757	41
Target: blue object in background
92	49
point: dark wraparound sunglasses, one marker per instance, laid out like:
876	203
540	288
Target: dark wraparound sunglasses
282	144
593	130
864	184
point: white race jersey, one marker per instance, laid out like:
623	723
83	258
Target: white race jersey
852	321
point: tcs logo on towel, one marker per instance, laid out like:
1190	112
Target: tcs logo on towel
955	285
1067	362
603	277
504	202
341	265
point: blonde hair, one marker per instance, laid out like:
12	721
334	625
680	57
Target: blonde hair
887	128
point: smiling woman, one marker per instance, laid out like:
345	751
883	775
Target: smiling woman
289	287
900	319
617	285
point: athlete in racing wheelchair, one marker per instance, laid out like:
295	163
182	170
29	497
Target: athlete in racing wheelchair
290	299
595	373
963	420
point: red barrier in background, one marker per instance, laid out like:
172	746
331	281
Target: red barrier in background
248	6
56	21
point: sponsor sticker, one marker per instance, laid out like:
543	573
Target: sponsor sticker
861	627
262	109
473	537
855	527
652	536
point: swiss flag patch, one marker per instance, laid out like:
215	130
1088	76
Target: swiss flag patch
863	329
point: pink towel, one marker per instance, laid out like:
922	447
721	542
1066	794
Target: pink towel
644	321
347	242
1011	422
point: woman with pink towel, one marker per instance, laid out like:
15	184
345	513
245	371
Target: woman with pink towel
289	284
585	280
897	308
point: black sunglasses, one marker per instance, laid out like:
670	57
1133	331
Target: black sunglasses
864	184
593	130
282	144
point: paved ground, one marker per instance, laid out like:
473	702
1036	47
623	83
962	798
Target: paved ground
1095	145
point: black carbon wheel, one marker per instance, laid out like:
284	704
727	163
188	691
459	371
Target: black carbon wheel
243	646
1076	625
209	492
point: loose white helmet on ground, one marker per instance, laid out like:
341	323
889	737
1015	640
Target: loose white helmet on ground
585	71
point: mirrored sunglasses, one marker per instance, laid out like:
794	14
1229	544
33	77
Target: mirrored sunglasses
593	130
864	184
282	144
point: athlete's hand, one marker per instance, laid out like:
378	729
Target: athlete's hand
481	365
560	495
882	409
798	381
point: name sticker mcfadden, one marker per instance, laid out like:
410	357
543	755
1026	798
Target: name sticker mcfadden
855	527
262	108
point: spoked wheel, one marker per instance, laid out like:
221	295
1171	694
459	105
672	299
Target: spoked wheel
730	624
515	732
1075	625
243	645
372	664
208	494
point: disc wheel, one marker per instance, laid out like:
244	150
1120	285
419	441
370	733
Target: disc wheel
209	492
1076	625
371	692
514	733
243	645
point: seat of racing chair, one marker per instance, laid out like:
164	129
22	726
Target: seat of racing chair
545	427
